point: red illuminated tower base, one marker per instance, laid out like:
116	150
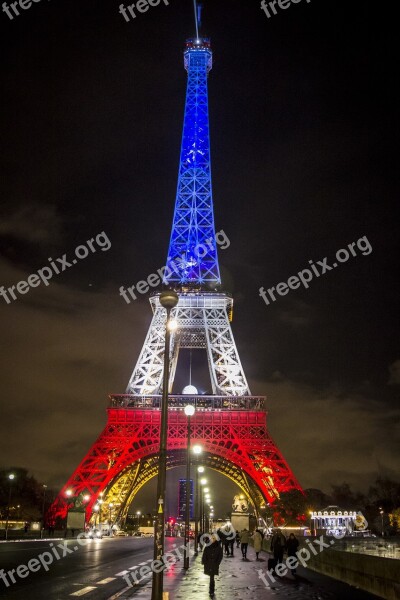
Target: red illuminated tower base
232	431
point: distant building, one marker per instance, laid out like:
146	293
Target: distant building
333	521
182	499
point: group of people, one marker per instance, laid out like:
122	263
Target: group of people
224	541
279	545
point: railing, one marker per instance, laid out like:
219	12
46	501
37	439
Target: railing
386	548
201	403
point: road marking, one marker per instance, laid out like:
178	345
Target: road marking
84	591
143	563
118	594
107	580
121	574
131	568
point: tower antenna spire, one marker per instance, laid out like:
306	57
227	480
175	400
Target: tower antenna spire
197	16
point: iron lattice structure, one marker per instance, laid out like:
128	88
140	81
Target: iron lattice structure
203	323
192	256
232	431
231	424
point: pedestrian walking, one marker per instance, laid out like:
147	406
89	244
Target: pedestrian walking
278	544
257	540
200	541
244	542
237	539
292	545
231	545
211	559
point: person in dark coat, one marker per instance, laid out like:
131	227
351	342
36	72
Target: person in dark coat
292	545
223	538
211	559
278	544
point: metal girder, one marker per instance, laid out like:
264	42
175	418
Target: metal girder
122	491
192	256
237	437
203	322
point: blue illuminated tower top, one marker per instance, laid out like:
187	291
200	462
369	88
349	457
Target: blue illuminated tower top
192	257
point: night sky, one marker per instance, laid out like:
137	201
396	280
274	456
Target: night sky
302	110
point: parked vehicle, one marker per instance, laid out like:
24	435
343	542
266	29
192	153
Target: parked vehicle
120	533
147	531
93	534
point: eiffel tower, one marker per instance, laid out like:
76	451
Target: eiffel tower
230	423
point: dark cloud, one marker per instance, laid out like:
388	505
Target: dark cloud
35	224
331	435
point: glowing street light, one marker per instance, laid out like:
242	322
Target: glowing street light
172	325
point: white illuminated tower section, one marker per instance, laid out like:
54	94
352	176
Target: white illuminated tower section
203	312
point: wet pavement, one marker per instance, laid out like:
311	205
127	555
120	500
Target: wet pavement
241	580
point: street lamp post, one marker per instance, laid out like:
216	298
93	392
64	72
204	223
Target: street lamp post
43	509
110	507
168	299
381	513
211	518
203	482
197	450
138	513
208	511
96	509
189	412
100	503
11	478
86	499
205	492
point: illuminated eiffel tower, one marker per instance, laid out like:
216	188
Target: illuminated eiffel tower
230	424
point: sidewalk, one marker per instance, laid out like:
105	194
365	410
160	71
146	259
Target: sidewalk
240	580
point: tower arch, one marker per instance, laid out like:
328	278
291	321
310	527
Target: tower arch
122	490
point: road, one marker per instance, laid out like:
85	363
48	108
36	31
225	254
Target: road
92	571
96	571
